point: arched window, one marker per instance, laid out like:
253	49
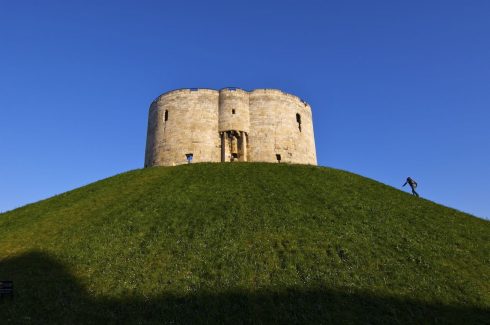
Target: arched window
298	120
166	115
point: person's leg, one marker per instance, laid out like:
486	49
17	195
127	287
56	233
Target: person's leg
415	193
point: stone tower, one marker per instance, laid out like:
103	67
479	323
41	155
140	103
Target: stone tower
206	125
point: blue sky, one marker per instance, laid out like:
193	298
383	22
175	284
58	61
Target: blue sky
397	88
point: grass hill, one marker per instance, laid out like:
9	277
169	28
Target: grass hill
243	243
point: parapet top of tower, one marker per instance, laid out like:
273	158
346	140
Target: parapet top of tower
264	90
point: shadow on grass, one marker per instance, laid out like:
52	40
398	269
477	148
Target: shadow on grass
45	292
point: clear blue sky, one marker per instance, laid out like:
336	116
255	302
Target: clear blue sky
398	88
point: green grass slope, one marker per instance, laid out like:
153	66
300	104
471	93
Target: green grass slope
243	243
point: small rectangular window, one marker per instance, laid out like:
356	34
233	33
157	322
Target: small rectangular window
278	157
232	111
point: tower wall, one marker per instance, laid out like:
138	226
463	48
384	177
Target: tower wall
191	127
275	128
229	125
233	110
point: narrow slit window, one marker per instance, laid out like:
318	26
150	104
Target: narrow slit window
166	115
298	120
233	111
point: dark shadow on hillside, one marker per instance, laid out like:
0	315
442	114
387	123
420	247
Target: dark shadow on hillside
47	293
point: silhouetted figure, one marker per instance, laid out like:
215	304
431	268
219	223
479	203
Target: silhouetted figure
413	185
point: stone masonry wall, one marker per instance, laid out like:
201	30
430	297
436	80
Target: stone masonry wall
191	127
233	110
263	123
274	129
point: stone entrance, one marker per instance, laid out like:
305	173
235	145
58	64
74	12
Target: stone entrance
234	146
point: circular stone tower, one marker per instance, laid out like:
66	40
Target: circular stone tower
205	125
183	124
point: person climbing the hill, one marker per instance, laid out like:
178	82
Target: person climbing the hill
413	185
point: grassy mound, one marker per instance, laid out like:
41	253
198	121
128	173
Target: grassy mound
243	243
